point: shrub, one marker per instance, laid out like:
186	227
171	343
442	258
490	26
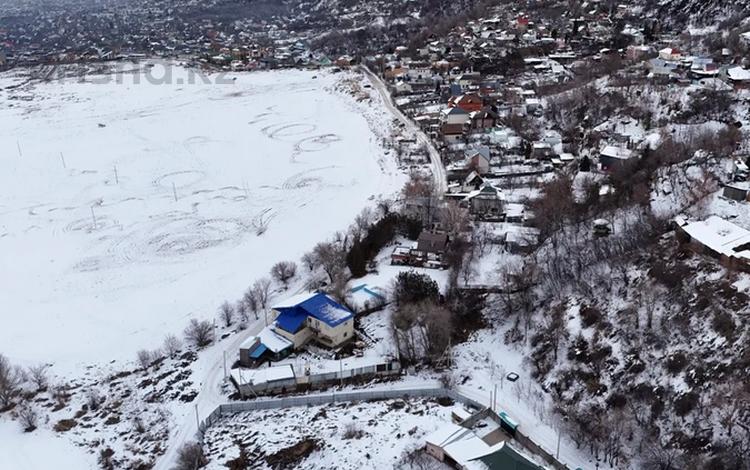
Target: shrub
283	271
412	287
723	323
352	431
28	417
65	425
685	403
676	362
590	316
191	457
199	333
11	379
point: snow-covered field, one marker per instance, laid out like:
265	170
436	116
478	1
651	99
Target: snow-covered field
128	209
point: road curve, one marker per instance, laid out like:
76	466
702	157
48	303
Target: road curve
436	162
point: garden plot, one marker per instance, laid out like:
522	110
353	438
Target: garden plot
343	435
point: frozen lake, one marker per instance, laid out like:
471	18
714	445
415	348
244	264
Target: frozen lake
129	208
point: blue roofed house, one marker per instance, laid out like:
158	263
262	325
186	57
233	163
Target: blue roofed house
313	317
266	345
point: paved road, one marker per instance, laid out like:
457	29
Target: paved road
436	162
210	368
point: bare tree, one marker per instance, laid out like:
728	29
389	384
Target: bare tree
11	379
422	331
283	271
199	333
172	345
94	399
241	309
226	312
262	288
38	376
361	224
331	258
250	298
28	417
191	457
310	261
145	358
455	219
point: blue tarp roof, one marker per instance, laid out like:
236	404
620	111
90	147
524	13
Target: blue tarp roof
291	319
367	290
319	306
257	352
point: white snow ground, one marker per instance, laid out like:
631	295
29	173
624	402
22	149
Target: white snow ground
100	260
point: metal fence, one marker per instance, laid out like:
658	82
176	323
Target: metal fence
365	395
332	397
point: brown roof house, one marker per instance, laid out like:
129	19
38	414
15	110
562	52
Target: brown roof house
430	242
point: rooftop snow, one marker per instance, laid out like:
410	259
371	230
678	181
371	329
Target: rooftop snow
263	374
318	305
721	236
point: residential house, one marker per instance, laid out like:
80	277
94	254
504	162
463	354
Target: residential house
660	68
431	242
454	116
469	102
670	54
427	252
313	317
267	345
486	203
402	88
478	159
419	71
468	79
452	133
533	105
703	68
717	238
344	61
478	444
611	157
485	118
738	77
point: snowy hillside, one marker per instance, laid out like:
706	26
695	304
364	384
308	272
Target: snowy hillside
130	207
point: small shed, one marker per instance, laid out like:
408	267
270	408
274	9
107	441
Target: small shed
738	191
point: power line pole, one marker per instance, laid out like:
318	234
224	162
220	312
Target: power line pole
225	364
62	158
197	419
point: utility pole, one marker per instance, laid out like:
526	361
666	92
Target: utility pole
174	191
197	419
225	364
557	454
93	217
18	145
62	158
117	179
